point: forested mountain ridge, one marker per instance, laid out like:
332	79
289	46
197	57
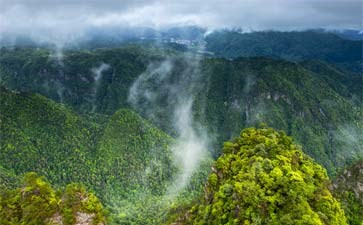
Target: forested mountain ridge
262	177
109	155
283	95
293	46
313	101
347	84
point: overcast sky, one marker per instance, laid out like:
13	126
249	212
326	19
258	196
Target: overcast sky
67	17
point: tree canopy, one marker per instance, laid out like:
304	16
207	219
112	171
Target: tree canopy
37	203
264	178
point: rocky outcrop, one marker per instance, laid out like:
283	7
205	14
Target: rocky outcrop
82	218
351	179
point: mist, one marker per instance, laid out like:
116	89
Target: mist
349	138
169	87
97	72
67	23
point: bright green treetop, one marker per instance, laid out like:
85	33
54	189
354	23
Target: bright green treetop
264	178
37	203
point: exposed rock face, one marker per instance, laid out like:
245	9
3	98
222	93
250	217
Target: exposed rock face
56	219
348	188
351	179
82	218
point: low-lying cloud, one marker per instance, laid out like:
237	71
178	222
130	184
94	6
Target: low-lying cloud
174	85
61	21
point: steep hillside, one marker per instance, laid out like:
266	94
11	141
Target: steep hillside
264	178
40	135
294	46
123	158
347	84
286	96
135	152
7	179
126	160
81	79
348	188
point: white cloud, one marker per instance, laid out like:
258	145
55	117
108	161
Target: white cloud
60	20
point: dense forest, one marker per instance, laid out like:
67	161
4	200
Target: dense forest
141	132
262	177
317	103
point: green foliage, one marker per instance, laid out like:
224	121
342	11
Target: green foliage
294	46
72	81
286	96
135	154
123	158
42	136
37	203
314	102
31	204
347	84
128	161
7	179
76	199
264	178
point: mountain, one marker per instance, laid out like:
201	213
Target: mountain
136	124
115	162
349	34
109	37
264	178
287	96
122	158
39	135
73	79
315	102
346	83
292	46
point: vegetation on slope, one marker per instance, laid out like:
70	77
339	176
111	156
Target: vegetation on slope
41	136
35	202
286	96
347	84
123	158
315	103
7	179
293	46
264	178
348	188
70	80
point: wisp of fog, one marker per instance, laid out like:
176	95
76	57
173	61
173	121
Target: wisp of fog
164	83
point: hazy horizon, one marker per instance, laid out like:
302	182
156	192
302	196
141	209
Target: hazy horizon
70	20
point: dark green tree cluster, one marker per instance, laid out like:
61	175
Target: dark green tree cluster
264	178
41	136
286	96
35	202
7	179
294	46
123	150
